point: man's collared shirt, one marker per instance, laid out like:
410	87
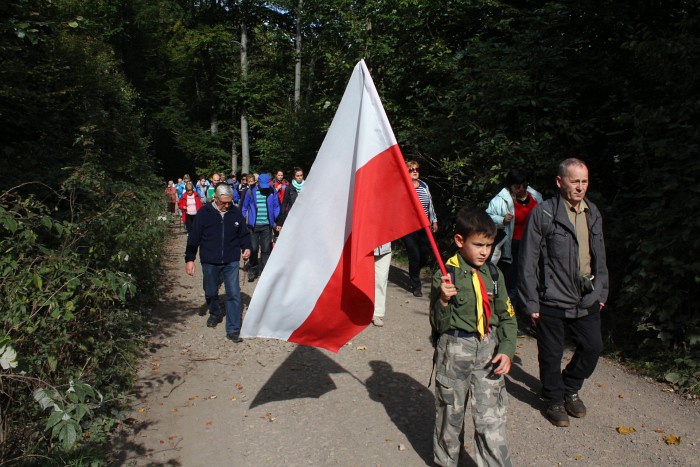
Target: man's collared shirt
577	217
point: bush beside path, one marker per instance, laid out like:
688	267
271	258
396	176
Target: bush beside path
203	400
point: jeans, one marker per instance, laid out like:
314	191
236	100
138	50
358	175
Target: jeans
261	238
551	335
211	274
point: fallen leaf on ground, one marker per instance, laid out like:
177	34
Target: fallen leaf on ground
601	385
239	386
184	351
419	350
269	417
192	398
233	398
172	437
626	430
210	423
672	439
660	431
174	409
362	347
388	440
621	396
578	458
162	442
213	396
142	410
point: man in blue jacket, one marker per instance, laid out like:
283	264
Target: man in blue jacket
220	234
261	207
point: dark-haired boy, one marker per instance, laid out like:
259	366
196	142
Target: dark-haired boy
474	324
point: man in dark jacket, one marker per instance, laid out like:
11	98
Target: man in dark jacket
220	234
563	283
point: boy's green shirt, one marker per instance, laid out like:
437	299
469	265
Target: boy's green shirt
460	312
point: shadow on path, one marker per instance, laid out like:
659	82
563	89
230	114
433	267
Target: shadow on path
523	386
409	405
305	373
399	277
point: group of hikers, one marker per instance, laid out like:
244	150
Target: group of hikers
544	258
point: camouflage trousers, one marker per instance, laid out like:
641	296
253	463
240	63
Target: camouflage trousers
463	371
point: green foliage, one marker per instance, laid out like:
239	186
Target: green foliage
68	410
68	302
80	235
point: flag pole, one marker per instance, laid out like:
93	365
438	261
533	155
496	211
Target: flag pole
436	252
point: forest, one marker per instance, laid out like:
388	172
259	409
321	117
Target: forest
101	102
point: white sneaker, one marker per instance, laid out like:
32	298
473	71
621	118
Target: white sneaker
377	321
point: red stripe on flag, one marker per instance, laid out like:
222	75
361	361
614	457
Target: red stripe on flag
385	208
344	308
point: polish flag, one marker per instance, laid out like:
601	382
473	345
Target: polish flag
318	285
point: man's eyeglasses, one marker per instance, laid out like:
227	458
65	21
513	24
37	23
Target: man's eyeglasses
413	169
224	203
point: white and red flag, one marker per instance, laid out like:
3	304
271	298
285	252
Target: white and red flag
318	285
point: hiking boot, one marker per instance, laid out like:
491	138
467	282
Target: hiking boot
203	310
213	321
377	321
574	406
234	337
557	415
251	278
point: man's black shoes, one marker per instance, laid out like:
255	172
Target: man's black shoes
417	293
213	321
234	337
556	414
574	406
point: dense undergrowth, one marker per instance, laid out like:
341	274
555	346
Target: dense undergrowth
80	237
74	295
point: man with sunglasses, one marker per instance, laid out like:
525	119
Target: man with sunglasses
222	238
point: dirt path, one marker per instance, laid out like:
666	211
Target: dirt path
202	400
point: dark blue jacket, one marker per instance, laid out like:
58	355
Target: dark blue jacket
220	240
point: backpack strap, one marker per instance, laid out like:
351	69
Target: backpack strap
494	277
546	227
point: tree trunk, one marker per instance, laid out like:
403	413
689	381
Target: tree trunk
297	68
213	123
234	154
245	153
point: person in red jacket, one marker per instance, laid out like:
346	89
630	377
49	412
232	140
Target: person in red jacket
280	185
189	204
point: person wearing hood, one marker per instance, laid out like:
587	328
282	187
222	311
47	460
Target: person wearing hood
260	209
